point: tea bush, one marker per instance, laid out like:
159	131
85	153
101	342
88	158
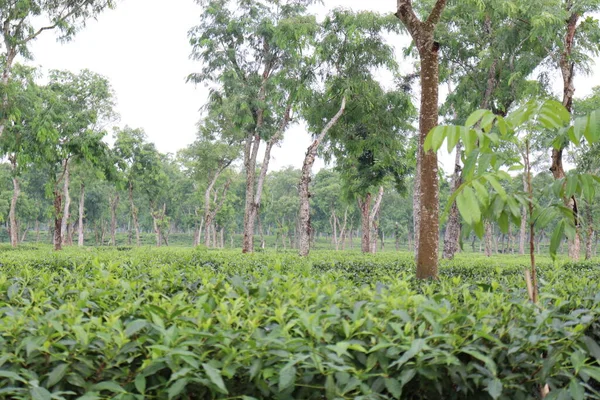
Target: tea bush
197	324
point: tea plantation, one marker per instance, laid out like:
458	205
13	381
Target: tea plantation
197	324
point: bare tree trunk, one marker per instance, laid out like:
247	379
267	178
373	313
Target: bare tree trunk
303	188
24	235
114	204
342	238
590	232
222	234
260	232
488	239
452	234
134	215
364	207
372	220
37	231
209	215
80	238
567	67
57	219
67	200
427	192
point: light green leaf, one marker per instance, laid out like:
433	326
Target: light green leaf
475	117
177	388
40	393
468	205
109	386
557	237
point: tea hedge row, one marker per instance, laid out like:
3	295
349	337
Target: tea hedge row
157	324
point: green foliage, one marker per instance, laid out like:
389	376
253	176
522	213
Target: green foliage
179	323
484	132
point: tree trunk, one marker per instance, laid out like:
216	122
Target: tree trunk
134	216
567	68
67	200
488	239
80	238
452	234
427	192
114	204
303	189
590	232
24	235
372	220
57	219
37	231
364	207
209	215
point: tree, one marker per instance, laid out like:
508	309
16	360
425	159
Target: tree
78	105
426	184
24	21
206	159
350	48
252	55
20	143
370	147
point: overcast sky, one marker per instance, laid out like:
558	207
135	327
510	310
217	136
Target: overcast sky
142	48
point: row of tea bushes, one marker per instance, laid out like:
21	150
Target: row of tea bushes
170	323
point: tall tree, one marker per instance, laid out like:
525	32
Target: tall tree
426	184
350	47
24	21
252	55
80	105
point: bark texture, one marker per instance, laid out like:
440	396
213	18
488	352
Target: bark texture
66	200
80	229
567	68
422	33
452	234
211	213
305	178
134	215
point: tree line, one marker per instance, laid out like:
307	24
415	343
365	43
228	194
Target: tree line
272	64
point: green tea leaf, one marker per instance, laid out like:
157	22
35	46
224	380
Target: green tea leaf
215	377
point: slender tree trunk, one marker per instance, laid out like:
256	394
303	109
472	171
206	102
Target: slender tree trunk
134	216
372	220
67	200
11	53
567	68
452	234
303	189
80	238
57	219
342	237
422	33
209	215
488	239
114	204
37	231
364	207
590	232
24	235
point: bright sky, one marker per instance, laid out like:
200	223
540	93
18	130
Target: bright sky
142	48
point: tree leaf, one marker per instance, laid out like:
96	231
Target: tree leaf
109	386
475	117
468	205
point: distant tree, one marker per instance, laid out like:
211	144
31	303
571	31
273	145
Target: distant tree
79	105
252	54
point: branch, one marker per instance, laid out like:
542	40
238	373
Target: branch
407	15
436	13
331	123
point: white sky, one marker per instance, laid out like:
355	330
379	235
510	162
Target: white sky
142	48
